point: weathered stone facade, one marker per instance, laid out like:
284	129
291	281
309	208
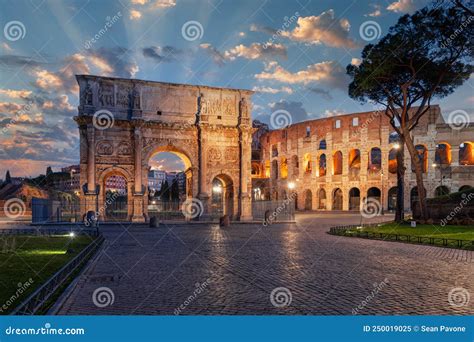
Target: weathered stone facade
124	122
295	154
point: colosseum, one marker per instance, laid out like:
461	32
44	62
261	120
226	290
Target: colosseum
336	163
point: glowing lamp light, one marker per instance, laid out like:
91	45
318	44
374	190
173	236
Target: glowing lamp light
217	189
396	146
291	185
434	165
71	234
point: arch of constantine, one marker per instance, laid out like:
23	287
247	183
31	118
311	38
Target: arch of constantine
123	123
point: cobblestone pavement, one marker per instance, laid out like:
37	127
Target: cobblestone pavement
203	269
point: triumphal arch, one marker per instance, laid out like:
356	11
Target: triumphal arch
124	122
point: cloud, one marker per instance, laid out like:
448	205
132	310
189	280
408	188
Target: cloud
115	62
118	59
324	93
10	107
260	28
322	29
356	61
329	72
296	110
271	90
63	80
162	54
15	94
147	6
216	56
376	12
335	112
135	15
19	61
256	51
252	52
163	3
406	6
6	47
155	3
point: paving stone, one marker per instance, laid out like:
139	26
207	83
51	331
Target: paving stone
155	271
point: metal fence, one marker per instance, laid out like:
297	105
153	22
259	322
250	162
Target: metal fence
352	231
39	299
46	210
282	210
166	210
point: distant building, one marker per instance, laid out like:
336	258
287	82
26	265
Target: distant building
73	184
116	184
155	180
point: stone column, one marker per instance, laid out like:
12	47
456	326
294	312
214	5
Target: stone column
204	188
90	160
245	181
138	214
90	197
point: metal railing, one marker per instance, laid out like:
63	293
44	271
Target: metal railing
48	231
38	299
352	231
284	209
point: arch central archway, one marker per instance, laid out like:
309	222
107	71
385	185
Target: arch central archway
222	199
169	182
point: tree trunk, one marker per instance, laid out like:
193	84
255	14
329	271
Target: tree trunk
400	206
418	172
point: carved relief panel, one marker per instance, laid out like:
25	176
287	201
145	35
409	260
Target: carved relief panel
106	94
105	148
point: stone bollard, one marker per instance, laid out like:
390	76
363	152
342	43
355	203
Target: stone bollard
154	222
91	219
224	221
267	221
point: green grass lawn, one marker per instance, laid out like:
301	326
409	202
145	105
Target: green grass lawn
426	230
37	257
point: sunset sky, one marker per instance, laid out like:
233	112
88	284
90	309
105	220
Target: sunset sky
301	71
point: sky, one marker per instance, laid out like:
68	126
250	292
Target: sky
292	53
